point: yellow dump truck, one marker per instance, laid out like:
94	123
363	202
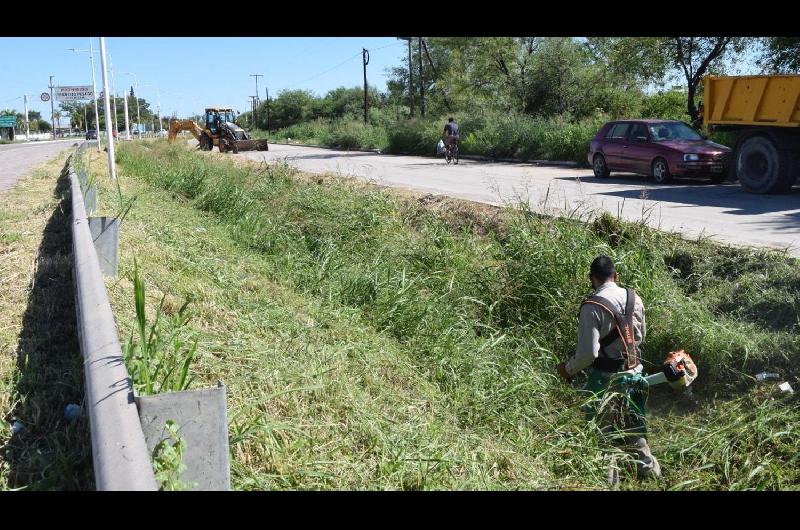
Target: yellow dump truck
764	112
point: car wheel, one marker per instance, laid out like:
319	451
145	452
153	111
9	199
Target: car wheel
660	171
600	168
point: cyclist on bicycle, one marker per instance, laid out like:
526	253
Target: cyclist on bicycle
450	133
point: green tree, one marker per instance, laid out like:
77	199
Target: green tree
533	75
292	106
695	55
633	62
780	55
649	59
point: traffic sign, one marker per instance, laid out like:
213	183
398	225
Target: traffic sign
45	96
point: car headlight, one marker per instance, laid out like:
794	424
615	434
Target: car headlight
691	158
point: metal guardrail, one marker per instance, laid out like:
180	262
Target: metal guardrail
119	452
125	427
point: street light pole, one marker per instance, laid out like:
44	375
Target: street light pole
94	92
158	96
114	91
94	97
27	123
127	121
136	82
107	106
52	108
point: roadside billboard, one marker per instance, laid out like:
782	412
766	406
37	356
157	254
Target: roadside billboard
73	93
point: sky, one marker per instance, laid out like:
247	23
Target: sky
190	74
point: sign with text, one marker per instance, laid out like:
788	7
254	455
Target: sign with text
73	93
8	121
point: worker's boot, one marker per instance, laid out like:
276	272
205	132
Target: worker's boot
613	472
646	466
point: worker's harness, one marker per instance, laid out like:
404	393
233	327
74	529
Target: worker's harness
623	330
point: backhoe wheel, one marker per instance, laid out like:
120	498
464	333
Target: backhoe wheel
205	143
762	168
223	145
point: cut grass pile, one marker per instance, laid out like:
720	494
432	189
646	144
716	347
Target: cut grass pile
369	341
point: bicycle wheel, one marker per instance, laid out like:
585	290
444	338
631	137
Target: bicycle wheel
448	155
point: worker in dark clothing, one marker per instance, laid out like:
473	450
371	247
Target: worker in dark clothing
611	328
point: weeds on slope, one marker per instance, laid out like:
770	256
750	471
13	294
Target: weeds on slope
487	316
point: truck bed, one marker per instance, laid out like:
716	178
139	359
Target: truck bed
753	100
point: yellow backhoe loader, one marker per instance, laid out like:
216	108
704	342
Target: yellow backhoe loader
220	130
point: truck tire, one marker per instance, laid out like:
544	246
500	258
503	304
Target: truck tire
763	168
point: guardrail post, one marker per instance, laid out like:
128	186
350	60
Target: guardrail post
105	236
202	418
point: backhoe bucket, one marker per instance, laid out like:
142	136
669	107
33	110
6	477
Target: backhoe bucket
250	145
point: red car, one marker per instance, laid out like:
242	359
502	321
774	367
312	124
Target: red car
659	148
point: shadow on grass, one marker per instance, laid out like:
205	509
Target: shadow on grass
49	452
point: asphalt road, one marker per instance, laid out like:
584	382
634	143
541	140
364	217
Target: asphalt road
691	207
17	160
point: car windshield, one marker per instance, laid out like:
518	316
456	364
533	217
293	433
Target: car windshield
662	132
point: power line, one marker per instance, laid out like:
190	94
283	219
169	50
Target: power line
326	71
341	64
388	46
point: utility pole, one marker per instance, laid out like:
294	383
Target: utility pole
27	123
267	89
107	107
365	58
253	110
255	101
52	108
410	76
421	81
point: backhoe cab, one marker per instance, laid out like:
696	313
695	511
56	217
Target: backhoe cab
220	130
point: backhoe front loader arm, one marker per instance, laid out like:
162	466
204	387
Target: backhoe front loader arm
177	126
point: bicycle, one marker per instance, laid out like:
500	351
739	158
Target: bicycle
451	153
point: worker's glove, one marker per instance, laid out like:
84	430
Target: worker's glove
562	371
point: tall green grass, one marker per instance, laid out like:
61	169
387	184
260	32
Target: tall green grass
486	312
491	134
160	360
